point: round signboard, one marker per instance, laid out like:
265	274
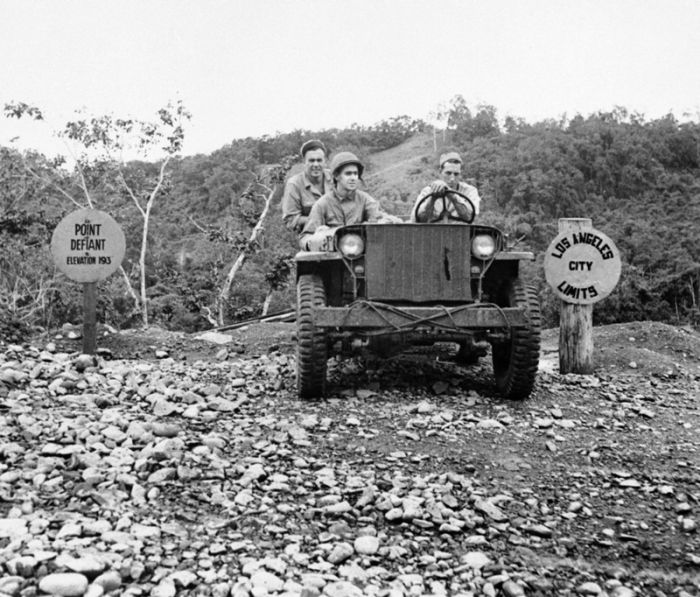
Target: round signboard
582	266
88	245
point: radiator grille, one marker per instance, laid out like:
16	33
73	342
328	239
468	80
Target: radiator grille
418	262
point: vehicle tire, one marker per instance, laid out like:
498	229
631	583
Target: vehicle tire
312	344
515	361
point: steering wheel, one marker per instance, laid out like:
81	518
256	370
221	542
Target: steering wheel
444	195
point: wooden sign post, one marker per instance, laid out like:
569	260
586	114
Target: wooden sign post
87	246
583	266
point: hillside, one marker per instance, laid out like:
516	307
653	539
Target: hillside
639	180
396	175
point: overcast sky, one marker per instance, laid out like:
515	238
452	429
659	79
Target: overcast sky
254	67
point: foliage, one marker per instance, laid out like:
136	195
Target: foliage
97	145
638	179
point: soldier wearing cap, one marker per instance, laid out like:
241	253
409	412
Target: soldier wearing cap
304	189
345	204
450	174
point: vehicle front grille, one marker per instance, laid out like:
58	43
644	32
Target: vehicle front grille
410	262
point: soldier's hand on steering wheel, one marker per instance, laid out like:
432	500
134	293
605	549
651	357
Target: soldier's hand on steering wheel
425	208
438	188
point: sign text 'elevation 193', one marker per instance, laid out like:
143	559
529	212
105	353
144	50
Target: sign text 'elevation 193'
88	245
582	266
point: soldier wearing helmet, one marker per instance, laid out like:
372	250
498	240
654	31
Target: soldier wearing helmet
450	179
345	204
304	189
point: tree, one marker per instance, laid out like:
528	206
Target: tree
27	217
245	249
99	147
274	176
277	277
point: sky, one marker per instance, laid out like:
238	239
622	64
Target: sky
254	67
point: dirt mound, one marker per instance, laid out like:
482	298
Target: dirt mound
153	341
646	347
649	347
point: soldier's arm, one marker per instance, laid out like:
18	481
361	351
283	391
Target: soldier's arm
315	219
461	205
291	208
473	194
425	209
372	211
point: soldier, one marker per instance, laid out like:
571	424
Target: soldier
304	189
450	174
345	204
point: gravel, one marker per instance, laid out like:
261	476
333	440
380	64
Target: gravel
165	477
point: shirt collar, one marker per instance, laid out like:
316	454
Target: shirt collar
351	196
326	179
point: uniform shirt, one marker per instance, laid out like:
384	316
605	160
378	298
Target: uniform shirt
330	210
299	196
464	188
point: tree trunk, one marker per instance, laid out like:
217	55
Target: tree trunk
240	260
142	267
144	239
266	303
130	288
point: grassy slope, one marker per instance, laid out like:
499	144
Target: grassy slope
396	175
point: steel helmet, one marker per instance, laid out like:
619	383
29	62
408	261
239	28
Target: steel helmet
345	158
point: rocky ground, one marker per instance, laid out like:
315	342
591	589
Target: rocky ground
172	465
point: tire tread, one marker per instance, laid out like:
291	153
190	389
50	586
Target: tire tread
312	350
516	371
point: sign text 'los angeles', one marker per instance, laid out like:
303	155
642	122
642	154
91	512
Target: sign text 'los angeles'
582	266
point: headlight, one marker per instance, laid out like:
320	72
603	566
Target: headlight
351	245
483	246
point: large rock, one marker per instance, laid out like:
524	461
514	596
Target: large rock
87	565
166	588
266	580
367	545
342	589
12	528
110	580
66	584
589	588
22	566
475	559
215	337
11	585
340	552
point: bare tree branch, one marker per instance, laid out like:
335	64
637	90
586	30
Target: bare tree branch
240	260
51	183
130	288
131	193
144	239
83	183
197	225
